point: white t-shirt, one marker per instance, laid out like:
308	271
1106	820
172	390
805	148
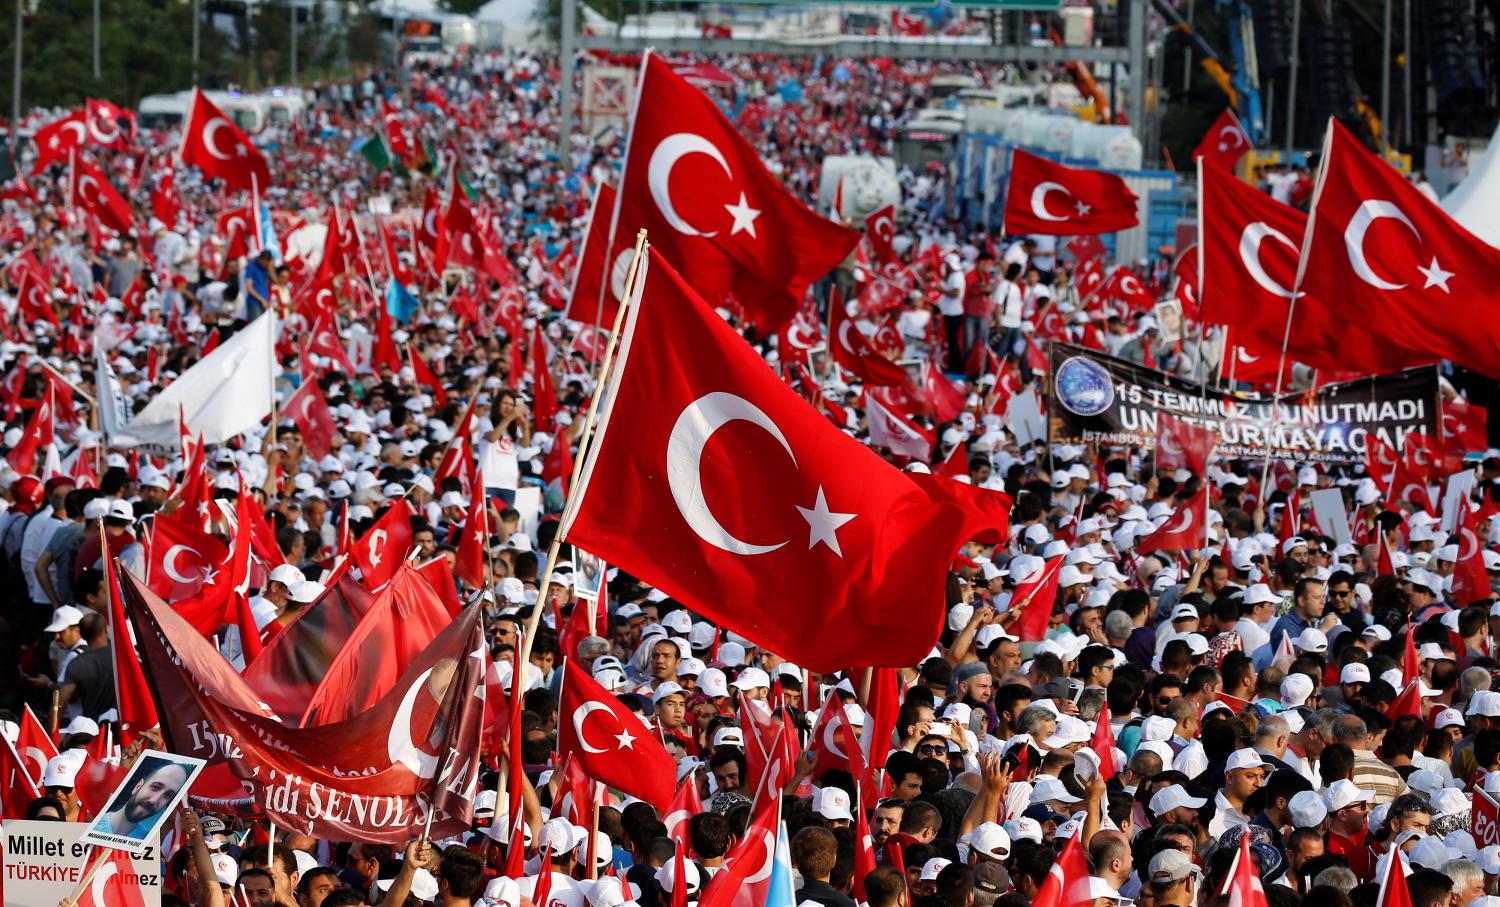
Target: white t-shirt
498	463
1044	256
1281	185
951	302
1009	304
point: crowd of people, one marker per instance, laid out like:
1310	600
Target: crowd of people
1252	690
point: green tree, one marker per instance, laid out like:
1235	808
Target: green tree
145	48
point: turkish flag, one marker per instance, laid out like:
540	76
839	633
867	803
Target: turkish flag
896	433
433	235
94	193
133	697
1035	597
712	208
234	226
1184	530
474	540
544	396
745	880
1383	254
384	545
945	398
1052	199
1085	248
425	377
54	140
406	616
609	742
212	143
599	279
1393	888
1250	246
323	339
1124	285
686	803
852	351
109	125
33	300
309	409
1103	745
41	432
1466	426
713	481
1244	886
1180	443
17	788
827	741
113	883
1381	460
880	230
1246	360
1224	143
295	661
35	746
395	130
1067	884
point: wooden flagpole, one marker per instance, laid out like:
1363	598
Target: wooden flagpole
584	438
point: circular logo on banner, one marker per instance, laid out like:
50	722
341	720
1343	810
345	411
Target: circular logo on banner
1083	387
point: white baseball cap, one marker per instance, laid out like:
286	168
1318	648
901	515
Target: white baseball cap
991	840
64	617
1448	718
667	689
62	769
1172	797
832	803
1343	792
712	683
1244	758
1311	639
423	886
1260	594
752	679
932	867
1023	829
1295	689
1354	673
1307	808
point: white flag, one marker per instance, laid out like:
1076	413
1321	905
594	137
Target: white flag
114	409
225	394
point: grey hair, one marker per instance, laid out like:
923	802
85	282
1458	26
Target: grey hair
593	647
1463	873
1118	626
1031	718
1472	681
1271	727
1340	877
1145	764
1090	704
1350	730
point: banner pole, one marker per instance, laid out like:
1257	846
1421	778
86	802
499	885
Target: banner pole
584	438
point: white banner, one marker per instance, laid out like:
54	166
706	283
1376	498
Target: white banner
44	862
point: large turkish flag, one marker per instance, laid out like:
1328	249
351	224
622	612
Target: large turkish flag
713	481
1384	255
713	209
1053	199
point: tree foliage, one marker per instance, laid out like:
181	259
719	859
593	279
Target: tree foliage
145	48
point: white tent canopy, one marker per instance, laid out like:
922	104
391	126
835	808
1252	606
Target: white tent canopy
1473	203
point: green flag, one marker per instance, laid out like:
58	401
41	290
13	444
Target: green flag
374	152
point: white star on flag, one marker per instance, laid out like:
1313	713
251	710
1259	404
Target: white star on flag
626	740
823	524
1083	208
744	217
1436	276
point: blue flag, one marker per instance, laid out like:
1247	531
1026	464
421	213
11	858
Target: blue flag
782	893
399	302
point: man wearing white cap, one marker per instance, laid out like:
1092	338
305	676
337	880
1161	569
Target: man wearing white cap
1348	834
1173	879
1243	774
1257	611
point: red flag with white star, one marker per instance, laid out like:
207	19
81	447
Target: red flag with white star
1224	143
1384	254
712	480
1053	199
713	209
610	743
